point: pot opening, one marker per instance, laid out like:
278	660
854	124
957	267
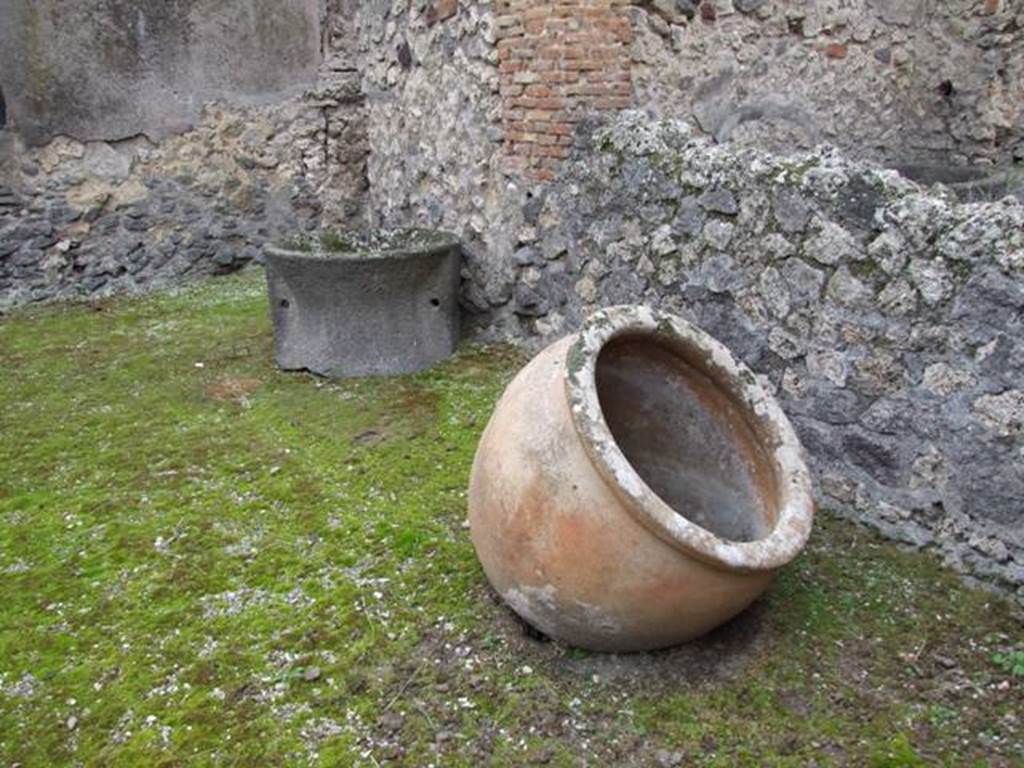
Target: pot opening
686	436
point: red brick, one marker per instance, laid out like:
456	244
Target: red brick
565	59
834	50
540	90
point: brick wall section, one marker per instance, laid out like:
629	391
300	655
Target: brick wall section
559	60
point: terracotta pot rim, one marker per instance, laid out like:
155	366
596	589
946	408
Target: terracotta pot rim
794	491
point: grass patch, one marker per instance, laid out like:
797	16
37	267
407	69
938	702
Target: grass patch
207	561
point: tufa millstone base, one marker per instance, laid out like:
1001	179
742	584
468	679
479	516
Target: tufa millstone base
364	305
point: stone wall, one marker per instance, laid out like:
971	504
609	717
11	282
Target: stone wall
429	75
467	105
88	217
112	69
889	320
431	80
914	81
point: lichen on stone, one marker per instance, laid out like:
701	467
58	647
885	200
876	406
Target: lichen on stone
368	244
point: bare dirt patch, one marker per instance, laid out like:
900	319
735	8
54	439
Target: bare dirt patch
230	389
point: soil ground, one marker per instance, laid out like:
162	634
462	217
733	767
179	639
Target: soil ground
206	561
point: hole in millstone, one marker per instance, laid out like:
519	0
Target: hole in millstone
435	302
284	304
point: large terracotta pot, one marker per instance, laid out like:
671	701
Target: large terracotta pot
636	486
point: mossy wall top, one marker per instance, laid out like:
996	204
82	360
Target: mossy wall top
110	69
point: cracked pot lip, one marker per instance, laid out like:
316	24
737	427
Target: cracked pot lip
794	498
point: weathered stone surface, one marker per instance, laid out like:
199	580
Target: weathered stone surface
718	201
896	343
791	210
98	217
1001	414
434	137
929	91
384	306
747	6
111	70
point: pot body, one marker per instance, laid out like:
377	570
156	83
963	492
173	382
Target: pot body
389	313
558	542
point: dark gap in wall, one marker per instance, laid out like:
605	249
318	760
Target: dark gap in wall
405	56
3	109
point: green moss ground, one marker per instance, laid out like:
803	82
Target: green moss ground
206	561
